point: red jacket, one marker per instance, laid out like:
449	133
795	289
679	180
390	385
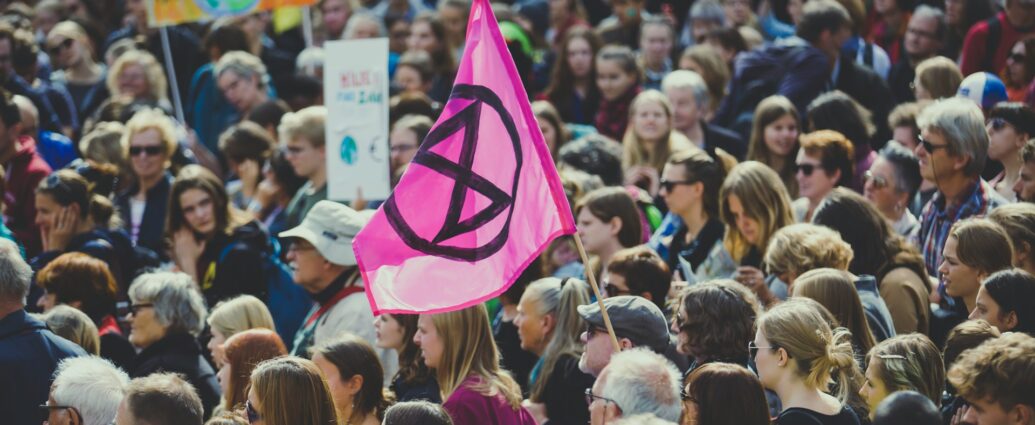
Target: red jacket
24	171
975	45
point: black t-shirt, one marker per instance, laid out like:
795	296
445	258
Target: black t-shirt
565	393
801	416
512	358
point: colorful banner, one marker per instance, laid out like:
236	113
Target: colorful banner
162	13
356	95
480	200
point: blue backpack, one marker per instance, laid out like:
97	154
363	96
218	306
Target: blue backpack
288	303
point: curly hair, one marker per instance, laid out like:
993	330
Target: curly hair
803	246
718	319
1001	369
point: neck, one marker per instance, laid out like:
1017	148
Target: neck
605	254
695	219
345	412
8	307
82	70
794	393
970	301
259	100
955	187
914	60
1012	166
319	178
893	215
695	133
146	183
777	162
509	312
655	65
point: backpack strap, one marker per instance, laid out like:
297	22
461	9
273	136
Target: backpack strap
868	55
995	32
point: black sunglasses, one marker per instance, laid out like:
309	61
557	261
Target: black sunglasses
56	49
613	290
1017	57
668	185
930	147
149	150
806	169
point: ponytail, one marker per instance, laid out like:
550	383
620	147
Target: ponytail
559	298
840	362
102	211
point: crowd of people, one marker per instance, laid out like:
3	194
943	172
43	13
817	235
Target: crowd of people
797	212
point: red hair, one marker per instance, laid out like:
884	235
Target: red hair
243	352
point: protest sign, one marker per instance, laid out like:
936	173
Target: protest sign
162	13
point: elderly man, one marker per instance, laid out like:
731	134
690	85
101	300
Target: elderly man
637	322
29	352
86	390
160	399
636	382
688	93
325	266
952	152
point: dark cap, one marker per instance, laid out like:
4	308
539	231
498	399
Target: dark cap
632	317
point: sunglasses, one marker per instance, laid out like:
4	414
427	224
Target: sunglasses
57	48
930	147
753	349
668	185
249	410
878	181
148	150
806	169
613	290
1017	57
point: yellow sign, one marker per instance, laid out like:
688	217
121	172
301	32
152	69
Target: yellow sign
172	12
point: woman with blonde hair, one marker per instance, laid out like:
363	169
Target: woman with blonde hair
835	291
798	356
774	138
76	67
74	325
289	391
904	363
232	316
936	78
550	327
242	352
137	75
459	346
706	61
148	143
649	140
753	205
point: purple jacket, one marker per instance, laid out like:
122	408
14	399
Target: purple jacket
468	407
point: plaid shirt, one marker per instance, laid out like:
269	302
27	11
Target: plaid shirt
936	220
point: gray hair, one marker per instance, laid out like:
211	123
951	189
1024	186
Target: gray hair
924	11
642	381
357	18
904	167
962	124
15	273
73	325
708	10
684	79
310	60
244	64
178	305
643	419
92	385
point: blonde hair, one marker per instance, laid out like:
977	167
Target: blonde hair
469	350
909	362
307	123
801	247
763	198
156	82
559	298
74	325
147	119
816	350
292	391
634	153
239	314
940	76
72	30
245	65
835	291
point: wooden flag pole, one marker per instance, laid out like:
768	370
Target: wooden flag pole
596	291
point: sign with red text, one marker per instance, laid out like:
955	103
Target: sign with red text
355	90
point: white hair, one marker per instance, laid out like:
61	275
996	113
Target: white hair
15	273
357	18
962	124
310	60
643	419
642	381
684	79
244	65
179	307
92	385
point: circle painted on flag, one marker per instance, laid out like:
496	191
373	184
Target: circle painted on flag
465	178
226	7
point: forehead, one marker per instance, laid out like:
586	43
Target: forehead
147	137
192	197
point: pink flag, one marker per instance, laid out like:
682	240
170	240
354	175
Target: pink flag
480	200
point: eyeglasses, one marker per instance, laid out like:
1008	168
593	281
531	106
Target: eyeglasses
614	291
592	330
668	185
997	123
57	48
135	308
1016	57
299	246
590	396
806	169
878	181
147	150
249	410
753	349
46	408
928	146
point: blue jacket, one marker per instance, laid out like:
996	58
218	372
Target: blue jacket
29	355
